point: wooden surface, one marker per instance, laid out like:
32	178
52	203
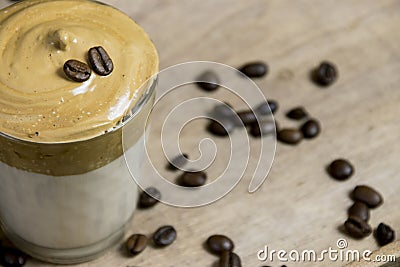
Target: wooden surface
299	206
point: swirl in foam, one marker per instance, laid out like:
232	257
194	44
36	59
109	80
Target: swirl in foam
37	102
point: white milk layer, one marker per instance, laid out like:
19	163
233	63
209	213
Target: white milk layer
66	212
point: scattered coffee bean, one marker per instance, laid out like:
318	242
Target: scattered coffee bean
136	243
11	257
219	243
267	108
164	236
248	117
357	228
229	259
178	162
223	111
384	234
193	179
221	129
290	136
367	195
360	210
265	127
340	169
311	128
209	81
100	61
325	74
77	70
297	113
149	197
255	69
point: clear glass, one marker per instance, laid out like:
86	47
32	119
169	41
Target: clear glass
71	201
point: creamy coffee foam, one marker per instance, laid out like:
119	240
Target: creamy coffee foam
37	102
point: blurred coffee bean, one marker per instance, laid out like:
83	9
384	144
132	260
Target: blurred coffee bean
266	108
265	127
247	117
193	179
178	162
164	236
223	129
255	69
149	198
357	228
136	244
290	136
325	74
11	257
367	195
340	169
219	243
209	81
384	234
311	129
359	209
297	113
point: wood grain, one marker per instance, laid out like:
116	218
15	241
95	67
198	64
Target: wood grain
299	206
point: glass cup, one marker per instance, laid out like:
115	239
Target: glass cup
69	202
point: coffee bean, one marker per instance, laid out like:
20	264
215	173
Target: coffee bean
219	243
100	61
178	162
290	136
149	197
77	71
340	169
360	210
255	69
193	179
229	259
325	74
357	228
384	234
208	81
297	113
267	108
367	195
311	128
11	257
221	129
164	236
265	127
247	117
223	111
136	243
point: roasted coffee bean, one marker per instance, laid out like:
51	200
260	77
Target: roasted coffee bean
384	234
357	228
219	243
267	108
223	111
290	136
359	209
136	243
229	259
221	129
149	197
178	162
325	74
77	71
11	257
297	113
164	236
255	69
265	127
193	179
247	117
100	61
340	169
208	81
367	195
311	128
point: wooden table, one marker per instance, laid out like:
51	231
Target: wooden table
299	206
